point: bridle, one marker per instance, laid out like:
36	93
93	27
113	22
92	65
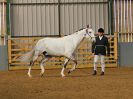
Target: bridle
89	34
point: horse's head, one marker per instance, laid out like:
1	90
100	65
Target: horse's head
90	34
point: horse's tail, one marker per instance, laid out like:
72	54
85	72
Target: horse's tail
28	56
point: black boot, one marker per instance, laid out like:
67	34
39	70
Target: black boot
102	73
95	72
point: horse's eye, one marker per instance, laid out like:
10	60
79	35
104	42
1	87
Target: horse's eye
89	32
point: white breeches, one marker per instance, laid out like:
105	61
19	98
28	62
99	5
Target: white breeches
96	58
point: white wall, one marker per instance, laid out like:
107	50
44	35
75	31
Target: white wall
43	19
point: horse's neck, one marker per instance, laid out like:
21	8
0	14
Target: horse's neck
78	38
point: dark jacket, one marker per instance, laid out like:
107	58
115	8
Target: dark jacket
100	46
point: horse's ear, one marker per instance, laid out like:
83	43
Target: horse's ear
88	26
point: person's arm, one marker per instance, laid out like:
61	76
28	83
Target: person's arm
108	47
93	47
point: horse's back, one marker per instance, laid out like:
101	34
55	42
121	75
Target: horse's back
51	45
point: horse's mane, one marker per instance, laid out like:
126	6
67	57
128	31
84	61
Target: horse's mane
78	31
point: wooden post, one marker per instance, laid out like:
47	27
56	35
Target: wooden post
115	46
9	50
3	22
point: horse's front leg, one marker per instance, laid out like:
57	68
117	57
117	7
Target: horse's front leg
74	66
64	66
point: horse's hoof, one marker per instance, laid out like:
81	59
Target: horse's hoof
29	75
69	72
63	75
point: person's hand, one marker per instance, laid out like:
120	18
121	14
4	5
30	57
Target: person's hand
93	54
108	54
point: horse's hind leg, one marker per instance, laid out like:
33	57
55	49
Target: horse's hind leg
74	66
29	70
64	66
42	66
32	63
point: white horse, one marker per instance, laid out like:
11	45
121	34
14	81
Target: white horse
63	46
